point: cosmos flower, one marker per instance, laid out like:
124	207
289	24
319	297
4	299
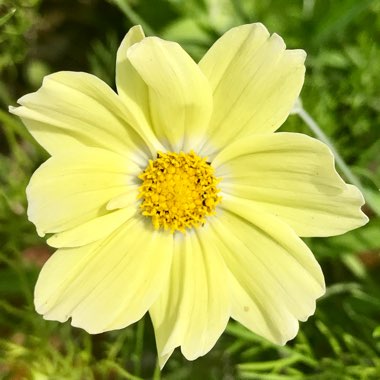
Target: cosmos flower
175	196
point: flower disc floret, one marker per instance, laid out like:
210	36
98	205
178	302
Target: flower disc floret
179	191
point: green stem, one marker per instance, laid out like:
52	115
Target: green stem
157	372
139	345
133	17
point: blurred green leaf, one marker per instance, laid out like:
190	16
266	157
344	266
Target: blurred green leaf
4	18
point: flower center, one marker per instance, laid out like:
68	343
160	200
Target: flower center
178	191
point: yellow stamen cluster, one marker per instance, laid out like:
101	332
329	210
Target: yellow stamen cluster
179	190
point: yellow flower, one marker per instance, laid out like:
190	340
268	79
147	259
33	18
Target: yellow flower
174	196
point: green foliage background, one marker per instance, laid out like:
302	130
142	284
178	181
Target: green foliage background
341	92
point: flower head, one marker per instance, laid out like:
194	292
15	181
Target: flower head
174	196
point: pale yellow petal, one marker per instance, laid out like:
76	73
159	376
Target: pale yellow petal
180	99
275	279
124	199
95	229
162	359
109	284
75	188
255	83
74	109
293	177
194	307
132	89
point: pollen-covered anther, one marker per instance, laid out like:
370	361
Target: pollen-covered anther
179	190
